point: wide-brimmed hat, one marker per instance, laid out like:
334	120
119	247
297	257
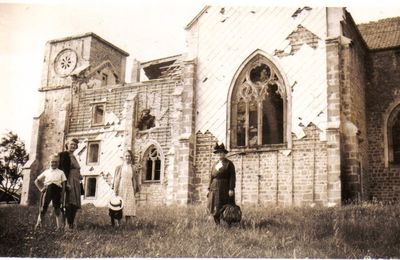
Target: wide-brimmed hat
116	203
220	148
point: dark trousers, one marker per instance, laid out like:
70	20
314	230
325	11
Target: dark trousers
115	215
51	194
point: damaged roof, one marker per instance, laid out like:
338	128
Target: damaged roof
381	34
169	67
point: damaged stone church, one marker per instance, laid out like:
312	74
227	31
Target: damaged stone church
306	101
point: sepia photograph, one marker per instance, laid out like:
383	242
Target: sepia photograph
199	129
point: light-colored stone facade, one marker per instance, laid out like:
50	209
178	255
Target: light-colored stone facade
320	61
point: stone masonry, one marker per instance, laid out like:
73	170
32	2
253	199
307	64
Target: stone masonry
340	91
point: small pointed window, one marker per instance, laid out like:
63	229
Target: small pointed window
394	136
153	165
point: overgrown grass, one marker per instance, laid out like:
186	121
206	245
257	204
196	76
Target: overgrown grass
356	231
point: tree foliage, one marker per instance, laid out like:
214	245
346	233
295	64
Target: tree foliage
12	157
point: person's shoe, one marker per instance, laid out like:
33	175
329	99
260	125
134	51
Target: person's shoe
216	220
38	225
68	228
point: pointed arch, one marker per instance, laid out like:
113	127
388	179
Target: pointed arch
153	163
259	104
391	133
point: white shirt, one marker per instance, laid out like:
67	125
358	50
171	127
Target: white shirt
51	176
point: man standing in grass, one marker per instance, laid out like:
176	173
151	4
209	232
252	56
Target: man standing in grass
222	183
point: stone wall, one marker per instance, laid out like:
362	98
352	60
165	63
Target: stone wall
48	138
119	124
183	135
100	52
353	80
80	46
90	50
225	38
383	95
274	176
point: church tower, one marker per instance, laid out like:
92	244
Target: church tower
68	64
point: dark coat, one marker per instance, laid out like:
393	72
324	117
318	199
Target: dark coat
65	163
74	188
221	181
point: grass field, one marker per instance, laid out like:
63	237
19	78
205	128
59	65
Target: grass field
356	231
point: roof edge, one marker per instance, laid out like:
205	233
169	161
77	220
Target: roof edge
160	60
89	34
355	26
379	20
197	17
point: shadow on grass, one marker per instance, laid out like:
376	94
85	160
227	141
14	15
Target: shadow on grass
137	225
262	224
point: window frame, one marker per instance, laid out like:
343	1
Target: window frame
89	143
159	156
104	79
393	113
87	187
94	106
242	77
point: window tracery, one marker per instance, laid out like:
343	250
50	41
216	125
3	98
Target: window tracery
257	105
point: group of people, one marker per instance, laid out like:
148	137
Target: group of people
61	184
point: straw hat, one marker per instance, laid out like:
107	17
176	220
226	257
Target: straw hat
116	203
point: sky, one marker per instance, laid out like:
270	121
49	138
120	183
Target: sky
145	29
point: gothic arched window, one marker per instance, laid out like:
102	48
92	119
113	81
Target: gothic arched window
257	105
152	164
393	135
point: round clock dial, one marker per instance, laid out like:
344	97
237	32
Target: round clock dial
65	62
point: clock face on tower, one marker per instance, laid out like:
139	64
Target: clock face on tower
65	62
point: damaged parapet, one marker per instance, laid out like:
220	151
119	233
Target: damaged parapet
165	68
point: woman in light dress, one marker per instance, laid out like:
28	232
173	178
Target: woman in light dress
126	184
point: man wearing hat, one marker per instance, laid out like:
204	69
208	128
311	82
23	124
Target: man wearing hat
222	183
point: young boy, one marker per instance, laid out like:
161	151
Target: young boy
115	210
51	184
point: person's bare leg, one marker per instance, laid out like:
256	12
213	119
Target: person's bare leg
39	221
76	217
57	212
